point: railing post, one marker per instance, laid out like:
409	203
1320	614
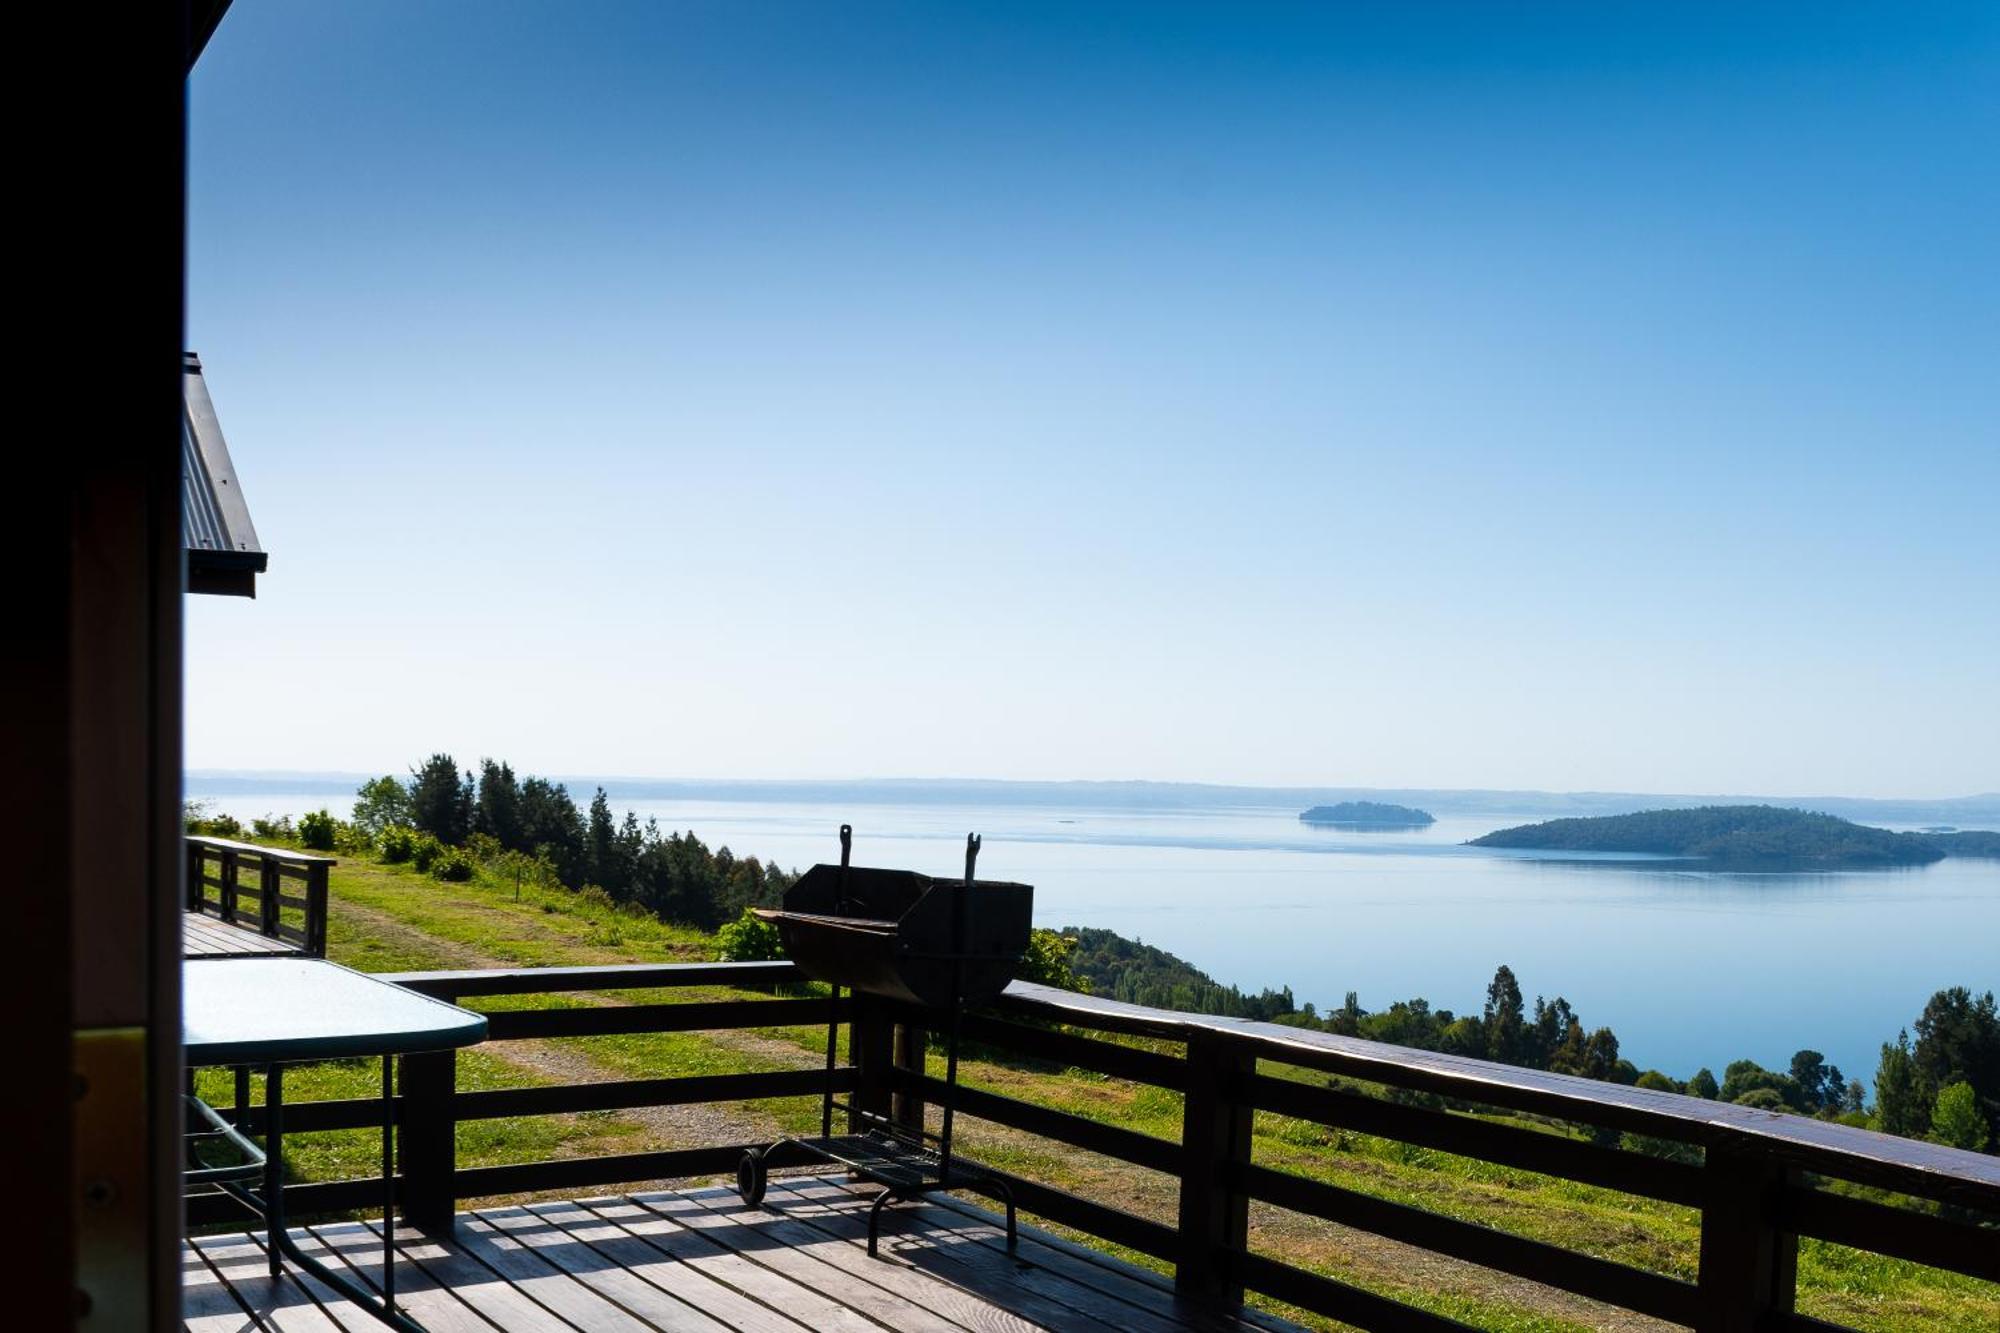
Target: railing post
197	866
1749	1267
871	1045
427	1140
906	1108
316	909
269	884
1215	1143
227	902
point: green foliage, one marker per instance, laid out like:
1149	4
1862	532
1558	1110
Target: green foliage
316	831
1703	1085
1728	834
452	865
440	801
381	803
1368	814
425	851
1957	1121
1743	1077
1049	961
1902	1106
1139	974
274	828
1656	1081
1958	1041
497	808
198	817
398	843
1764	1099
749	939
1504	1020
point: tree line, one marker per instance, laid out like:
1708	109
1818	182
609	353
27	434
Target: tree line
1943	1086
673	875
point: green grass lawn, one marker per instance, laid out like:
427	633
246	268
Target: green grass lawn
390	918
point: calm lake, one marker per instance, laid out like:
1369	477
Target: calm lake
1689	967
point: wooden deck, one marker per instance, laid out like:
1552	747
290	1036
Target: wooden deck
696	1259
205	936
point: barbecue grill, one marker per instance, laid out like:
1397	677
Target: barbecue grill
938	944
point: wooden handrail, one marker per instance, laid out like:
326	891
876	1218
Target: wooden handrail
1751	1187
257	900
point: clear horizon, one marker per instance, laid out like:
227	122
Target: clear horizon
1435	397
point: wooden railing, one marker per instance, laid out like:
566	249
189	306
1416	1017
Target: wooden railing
1760	1181
272	890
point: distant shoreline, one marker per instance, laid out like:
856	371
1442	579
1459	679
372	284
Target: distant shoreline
1965	812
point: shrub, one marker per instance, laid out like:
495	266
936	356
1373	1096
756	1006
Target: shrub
452	865
277	828
316	831
426	851
399	844
749	939
351	839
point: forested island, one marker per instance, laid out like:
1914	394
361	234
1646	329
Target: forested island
1738	835
1965	842
1368	814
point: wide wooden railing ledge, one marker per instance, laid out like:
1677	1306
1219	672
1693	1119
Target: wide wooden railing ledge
1756	1180
1911	1166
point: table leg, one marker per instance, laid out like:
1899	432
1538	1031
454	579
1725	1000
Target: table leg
388	1183
274	1163
272	1205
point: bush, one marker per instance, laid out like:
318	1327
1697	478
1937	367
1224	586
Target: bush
351	839
275	828
316	831
749	939
399	844
425	852
452	865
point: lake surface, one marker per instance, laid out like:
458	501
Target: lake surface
1689	967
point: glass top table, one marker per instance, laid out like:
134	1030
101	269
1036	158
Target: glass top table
248	1011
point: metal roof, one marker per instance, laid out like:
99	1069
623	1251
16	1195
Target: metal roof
222	551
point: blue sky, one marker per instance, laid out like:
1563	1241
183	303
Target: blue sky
1546	396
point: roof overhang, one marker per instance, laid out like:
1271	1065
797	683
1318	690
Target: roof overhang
223	556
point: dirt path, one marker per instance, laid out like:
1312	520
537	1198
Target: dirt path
1360	1256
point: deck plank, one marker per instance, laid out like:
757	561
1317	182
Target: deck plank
695	1260
834	1267
431	1276
1028	1291
207	1304
713	1260
544	1283
205	936
280	1304
646	1291
1114	1296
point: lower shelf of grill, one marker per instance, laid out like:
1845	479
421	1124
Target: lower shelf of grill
888	1160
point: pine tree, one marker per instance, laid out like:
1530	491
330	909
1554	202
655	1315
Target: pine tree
1503	1019
601	842
1901	1104
439	804
497	812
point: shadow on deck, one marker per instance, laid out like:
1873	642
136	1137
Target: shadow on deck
697	1259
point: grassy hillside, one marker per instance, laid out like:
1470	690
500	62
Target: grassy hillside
391	918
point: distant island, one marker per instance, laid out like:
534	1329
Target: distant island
1965	842
1368	814
1738	835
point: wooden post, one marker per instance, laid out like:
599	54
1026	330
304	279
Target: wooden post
227	901
270	884
427	1141
1215	1142
1749	1267
907	1108
871	1044
197	867
316	909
